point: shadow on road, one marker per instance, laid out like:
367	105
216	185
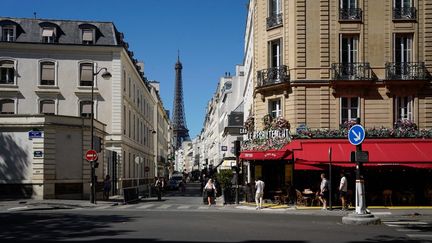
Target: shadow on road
52	227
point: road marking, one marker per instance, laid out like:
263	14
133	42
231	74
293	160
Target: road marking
184	207
246	208
17	208
146	206
126	206
382	213
102	207
419	236
406	223
408	230
204	207
164	206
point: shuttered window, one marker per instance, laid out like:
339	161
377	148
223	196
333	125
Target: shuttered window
86	74
47	73
87	36
85	109
7	72
48	35
47	107
7	106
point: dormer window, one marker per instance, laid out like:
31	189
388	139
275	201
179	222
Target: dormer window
88	36
48	35
8	33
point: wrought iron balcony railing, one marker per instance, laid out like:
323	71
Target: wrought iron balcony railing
350	14
274	20
406	71
351	71
274	75
406	13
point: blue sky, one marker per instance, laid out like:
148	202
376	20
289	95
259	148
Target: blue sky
209	34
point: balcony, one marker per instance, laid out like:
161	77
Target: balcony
351	71
273	76
406	71
350	14
274	21
405	13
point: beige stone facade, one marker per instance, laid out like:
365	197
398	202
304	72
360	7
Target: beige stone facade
343	59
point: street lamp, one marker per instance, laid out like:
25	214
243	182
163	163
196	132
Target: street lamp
105	75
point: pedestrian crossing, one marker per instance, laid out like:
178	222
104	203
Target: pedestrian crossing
153	207
414	229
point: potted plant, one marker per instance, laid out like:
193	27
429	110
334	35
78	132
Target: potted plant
224	177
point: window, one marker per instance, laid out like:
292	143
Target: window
7	72
49	35
86	74
124	81
275	53
7	106
404	108
348	49
274	7
85	109
47	73
275	108
124	120
404	10
402	48
348	4
47	107
88	36
8	33
349	109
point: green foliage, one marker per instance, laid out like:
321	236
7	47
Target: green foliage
224	178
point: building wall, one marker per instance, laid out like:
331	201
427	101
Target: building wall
310	34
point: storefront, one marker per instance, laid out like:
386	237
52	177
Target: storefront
398	171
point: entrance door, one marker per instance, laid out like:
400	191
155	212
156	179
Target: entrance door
112	171
273	175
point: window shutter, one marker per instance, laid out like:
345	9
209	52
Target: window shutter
47	71
6	64
87	35
47	32
86	107
7	106
86	72
48	107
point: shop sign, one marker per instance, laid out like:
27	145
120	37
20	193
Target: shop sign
270	134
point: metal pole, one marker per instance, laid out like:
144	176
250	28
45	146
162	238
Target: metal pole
330	179
360	192
92	164
238	178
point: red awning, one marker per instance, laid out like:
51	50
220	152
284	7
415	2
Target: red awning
273	154
415	153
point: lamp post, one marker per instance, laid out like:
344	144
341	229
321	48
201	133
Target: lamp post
105	75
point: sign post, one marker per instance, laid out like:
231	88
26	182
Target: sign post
92	157
330	178
356	136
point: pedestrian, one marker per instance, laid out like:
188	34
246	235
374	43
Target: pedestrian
159	185
106	187
210	191
324	191
259	192
343	189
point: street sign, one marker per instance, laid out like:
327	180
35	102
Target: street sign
362	156
35	134
91	156
224	148
356	135
38	154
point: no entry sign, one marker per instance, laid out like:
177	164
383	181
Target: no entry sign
91	156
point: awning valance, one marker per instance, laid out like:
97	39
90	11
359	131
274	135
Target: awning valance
272	154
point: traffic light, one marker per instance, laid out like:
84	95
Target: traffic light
237	148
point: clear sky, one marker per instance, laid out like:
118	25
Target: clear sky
209	34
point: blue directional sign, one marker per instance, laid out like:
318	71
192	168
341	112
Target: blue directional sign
34	134
356	134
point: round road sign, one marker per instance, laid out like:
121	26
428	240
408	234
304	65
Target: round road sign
91	155
147	169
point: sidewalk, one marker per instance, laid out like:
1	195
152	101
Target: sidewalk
48	204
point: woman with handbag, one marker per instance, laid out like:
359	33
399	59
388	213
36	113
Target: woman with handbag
210	191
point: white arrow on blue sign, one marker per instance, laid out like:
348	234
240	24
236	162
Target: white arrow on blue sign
356	135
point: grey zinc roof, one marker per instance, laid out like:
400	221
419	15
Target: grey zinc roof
69	32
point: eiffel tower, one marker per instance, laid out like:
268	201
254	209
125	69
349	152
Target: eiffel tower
180	131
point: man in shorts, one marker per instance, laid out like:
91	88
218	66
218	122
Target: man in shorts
343	188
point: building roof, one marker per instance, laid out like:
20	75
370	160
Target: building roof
68	31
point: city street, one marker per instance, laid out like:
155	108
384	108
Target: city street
179	218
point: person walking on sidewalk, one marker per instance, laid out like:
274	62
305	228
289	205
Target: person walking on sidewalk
343	189
159	185
106	187
210	191
324	191
259	193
